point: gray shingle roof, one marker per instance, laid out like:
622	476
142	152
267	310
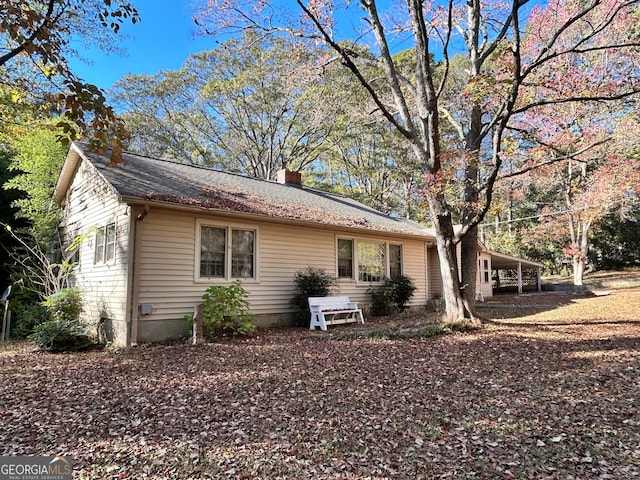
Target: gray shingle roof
151	179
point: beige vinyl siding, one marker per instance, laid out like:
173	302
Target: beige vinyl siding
165	262
414	265
168	252
433	269
91	204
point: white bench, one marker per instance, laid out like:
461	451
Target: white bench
333	310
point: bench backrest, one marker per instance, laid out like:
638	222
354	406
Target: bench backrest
338	302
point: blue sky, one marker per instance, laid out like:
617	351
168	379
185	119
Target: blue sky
162	40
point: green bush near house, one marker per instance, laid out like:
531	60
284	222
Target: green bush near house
64	331
64	305
392	296
381	301
61	336
226	311
311	282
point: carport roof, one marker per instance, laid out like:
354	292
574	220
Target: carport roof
501	261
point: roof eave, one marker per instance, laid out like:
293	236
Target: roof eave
69	169
133	200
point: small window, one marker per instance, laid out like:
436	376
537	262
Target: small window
345	258
371	261
110	245
98	256
395	261
105	246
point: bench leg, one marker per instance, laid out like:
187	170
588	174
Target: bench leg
322	321
314	321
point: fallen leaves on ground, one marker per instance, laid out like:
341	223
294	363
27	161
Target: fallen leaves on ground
538	399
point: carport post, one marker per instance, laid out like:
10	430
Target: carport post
539	279
519	277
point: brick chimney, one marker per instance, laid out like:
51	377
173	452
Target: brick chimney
287	177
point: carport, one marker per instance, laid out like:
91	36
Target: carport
509	273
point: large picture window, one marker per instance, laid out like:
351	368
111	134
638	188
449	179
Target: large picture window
227	252
105	245
371	261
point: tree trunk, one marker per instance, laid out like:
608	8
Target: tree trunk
580	260
469	257
454	303
578	274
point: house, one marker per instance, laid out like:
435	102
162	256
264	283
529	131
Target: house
160	233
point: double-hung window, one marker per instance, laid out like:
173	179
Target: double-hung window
227	252
345	258
395	260
105	244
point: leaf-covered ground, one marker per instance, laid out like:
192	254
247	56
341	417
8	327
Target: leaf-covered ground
551	395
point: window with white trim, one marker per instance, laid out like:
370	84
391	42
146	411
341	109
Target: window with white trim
372	260
485	270
227	252
105	244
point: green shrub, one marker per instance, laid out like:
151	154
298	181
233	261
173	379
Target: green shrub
434	330
381	301
61	336
402	289
226	311
311	282
392	296
26	318
63	331
64	305
26	312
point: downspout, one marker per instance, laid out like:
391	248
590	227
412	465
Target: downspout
135	278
